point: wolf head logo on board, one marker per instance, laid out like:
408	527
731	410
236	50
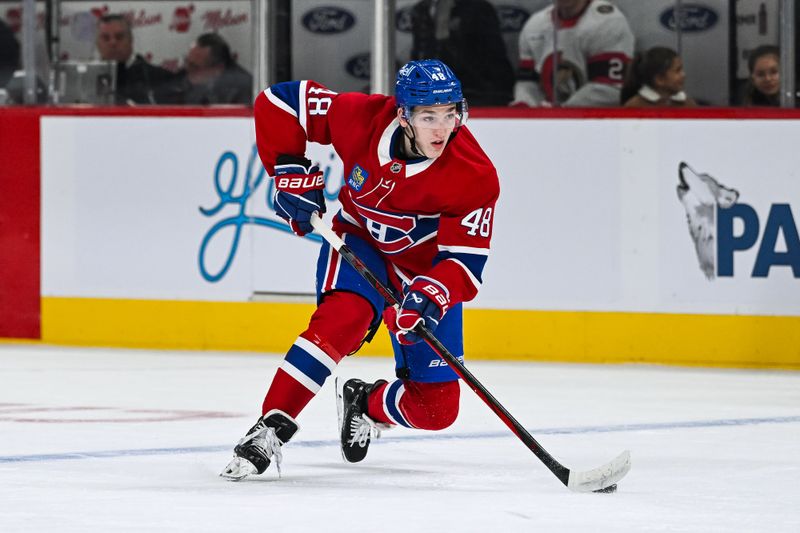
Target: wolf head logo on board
700	195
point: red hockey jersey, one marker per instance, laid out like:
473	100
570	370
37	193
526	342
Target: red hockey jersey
593	49
430	217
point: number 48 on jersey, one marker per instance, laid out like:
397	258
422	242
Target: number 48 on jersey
479	222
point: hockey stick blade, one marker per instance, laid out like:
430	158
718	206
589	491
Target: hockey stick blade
601	477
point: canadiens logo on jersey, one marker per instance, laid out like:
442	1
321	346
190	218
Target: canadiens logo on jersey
395	232
357	178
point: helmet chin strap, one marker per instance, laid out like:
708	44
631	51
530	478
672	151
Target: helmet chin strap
413	138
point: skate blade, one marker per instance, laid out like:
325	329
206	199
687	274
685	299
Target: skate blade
338	389
238	469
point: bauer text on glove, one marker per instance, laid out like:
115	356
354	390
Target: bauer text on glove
425	302
299	192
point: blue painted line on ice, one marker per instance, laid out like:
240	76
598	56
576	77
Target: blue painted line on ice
432	436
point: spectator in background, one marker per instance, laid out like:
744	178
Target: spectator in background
12	77
764	84
465	34
212	76
9	54
595	43
138	82
655	79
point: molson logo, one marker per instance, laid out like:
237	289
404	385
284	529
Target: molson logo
99	11
182	18
142	18
216	19
512	18
328	19
692	17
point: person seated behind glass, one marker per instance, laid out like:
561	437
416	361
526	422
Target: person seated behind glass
594	43
9	54
655	79
212	76
12	78
764	83
138	82
465	34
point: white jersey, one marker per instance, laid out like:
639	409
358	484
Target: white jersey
594	48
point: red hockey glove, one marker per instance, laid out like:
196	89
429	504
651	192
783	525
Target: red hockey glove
426	302
299	192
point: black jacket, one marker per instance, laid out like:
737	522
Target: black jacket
233	86
473	48
9	54
143	83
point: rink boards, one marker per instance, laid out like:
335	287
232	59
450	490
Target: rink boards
157	231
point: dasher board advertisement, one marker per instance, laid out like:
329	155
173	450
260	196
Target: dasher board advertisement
674	216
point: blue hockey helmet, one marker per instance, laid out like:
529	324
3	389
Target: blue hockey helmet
428	82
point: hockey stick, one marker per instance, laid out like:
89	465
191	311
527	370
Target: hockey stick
601	479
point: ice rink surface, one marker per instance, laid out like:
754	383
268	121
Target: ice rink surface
133	440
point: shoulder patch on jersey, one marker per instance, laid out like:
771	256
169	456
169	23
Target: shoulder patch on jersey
605	9
357	178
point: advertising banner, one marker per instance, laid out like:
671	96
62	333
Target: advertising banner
166	208
739	190
163	31
669	216
598	221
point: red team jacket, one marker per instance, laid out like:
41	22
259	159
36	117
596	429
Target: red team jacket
430	217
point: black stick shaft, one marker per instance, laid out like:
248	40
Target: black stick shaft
560	471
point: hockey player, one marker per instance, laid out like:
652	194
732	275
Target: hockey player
594	45
417	208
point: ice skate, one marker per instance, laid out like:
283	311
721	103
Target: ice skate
356	429
261	446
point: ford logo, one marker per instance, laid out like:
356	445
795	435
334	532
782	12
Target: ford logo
358	66
327	19
512	18
693	17
403	20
